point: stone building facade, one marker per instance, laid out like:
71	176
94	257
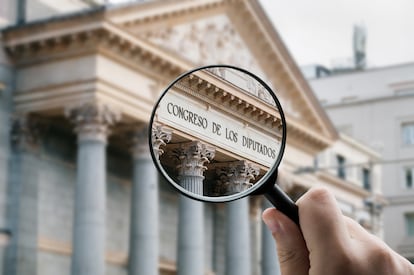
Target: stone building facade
79	193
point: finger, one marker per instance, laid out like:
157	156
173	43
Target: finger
291	247
362	236
322	222
356	231
381	256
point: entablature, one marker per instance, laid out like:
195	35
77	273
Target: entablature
95	35
235	101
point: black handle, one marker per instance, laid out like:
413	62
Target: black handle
282	202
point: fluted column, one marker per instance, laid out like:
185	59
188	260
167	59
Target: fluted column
192	157
270	263
144	230
23	198
91	124
236	178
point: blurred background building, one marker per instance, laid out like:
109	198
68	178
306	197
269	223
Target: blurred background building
78	191
374	106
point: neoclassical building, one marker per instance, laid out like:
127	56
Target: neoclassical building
79	193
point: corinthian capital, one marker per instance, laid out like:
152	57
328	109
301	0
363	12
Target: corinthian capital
92	120
160	136
236	177
192	156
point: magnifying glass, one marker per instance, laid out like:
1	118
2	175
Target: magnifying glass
217	134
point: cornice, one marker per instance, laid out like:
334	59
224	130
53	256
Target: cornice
151	14
344	185
376	156
232	100
28	48
406	199
305	137
308	180
282	70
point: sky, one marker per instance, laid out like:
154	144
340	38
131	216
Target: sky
320	31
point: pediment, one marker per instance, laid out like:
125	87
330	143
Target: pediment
177	35
212	40
209	40
234	32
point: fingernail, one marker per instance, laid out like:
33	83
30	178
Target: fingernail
273	224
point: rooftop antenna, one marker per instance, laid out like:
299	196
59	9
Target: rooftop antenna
359	41
21	12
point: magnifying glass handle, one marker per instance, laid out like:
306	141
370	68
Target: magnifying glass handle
283	203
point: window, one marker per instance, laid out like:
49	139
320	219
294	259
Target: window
408	133
409	224
341	166
366	179
408	177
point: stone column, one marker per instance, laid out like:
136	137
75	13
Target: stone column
236	177
144	230
89	228
270	262
7	87
23	198
192	157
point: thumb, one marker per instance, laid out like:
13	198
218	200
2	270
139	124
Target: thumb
291	247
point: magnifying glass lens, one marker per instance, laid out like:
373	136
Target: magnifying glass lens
218	133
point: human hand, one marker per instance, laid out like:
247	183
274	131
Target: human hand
329	242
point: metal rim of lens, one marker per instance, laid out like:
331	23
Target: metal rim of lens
225	198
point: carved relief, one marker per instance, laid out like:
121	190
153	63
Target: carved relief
192	156
160	136
206	41
215	41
